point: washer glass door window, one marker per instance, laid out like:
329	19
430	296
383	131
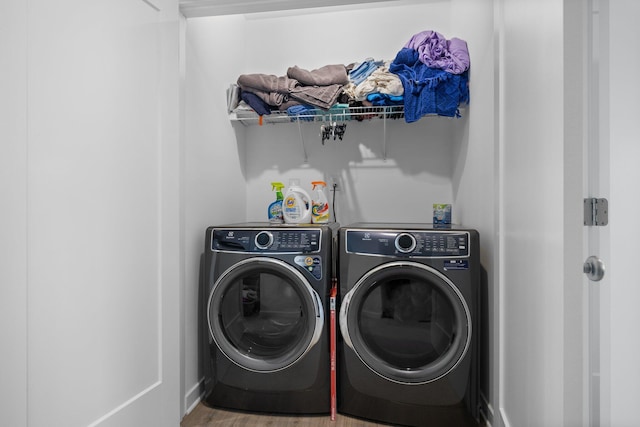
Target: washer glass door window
264	315
407	322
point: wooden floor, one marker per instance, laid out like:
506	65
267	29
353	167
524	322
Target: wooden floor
203	416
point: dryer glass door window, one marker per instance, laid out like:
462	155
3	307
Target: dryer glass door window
263	315
408	323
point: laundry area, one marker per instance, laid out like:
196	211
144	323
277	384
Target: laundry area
388	163
291	210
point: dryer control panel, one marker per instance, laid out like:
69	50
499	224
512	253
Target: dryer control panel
267	241
414	243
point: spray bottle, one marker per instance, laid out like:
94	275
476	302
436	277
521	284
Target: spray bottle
275	208
319	203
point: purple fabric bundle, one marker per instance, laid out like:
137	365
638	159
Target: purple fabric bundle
435	51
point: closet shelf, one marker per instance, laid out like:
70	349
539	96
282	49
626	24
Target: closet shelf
331	117
250	117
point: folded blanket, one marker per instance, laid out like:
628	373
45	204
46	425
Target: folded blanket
319	96
272	89
324	76
276	91
363	70
271	99
256	103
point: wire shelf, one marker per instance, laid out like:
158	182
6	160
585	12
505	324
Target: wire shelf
250	117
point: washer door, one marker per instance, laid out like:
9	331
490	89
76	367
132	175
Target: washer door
407	322
264	315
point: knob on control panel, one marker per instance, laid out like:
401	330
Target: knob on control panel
405	242
264	239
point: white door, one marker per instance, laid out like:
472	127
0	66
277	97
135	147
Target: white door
613	173
95	243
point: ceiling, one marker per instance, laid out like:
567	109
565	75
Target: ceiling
197	8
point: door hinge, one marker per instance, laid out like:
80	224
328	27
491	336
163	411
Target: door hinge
596	211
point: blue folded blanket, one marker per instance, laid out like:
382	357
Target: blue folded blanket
364	70
255	102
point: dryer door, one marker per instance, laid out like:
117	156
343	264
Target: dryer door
264	315
407	322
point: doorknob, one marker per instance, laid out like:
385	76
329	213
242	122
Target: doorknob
594	268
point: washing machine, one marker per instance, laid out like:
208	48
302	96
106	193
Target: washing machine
265	304
409	301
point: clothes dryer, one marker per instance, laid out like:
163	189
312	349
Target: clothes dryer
265	303
408	353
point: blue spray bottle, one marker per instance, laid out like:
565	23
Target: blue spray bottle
275	208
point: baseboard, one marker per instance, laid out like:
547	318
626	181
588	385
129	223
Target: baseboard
193	396
486	411
488	415
504	418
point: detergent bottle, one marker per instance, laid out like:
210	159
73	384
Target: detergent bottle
296	207
275	208
319	203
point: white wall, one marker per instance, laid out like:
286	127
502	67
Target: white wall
474	178
214	167
619	357
435	160
402	188
92	231
534	192
13	214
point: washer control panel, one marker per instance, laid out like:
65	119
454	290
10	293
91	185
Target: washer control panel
415	243
266	241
